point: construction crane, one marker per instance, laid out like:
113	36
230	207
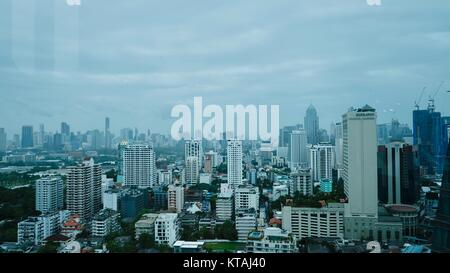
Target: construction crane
431	99
417	102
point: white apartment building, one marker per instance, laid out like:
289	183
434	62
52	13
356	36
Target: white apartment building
224	206
246	197
321	161
167	228
301	181
271	240
139	167
30	231
314	222
49	194
36	229
175	198
234	163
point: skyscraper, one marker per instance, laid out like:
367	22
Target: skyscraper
65	129
234	163
428	139
107	134
139	167
2	140
298	149
360	171
441	233
84	189
27	136
49	194
321	161
301	182
312	125
397	178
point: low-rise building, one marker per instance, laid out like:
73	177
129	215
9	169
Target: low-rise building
188	247
167	229
271	240
224	206
246	221
146	225
105	222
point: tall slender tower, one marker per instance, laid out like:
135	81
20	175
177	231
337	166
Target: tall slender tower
441	233
234	163
312	125
107	134
27	136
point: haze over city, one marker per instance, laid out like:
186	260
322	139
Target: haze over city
140	58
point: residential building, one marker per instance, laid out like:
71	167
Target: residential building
225	206
192	171
139	167
167	229
234	163
84	189
105	222
321	161
246	197
301	181
175	198
246	221
146	225
49	194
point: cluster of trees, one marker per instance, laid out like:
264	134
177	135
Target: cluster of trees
15	205
225	231
15	179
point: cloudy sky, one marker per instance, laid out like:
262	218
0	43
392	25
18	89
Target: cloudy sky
134	60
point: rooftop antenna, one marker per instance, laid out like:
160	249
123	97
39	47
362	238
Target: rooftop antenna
417	102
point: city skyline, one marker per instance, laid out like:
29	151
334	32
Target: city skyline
360	59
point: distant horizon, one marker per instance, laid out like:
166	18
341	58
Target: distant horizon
61	62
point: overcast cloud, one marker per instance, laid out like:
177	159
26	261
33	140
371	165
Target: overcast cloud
134	60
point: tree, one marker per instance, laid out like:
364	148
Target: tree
205	233
226	231
50	247
146	241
